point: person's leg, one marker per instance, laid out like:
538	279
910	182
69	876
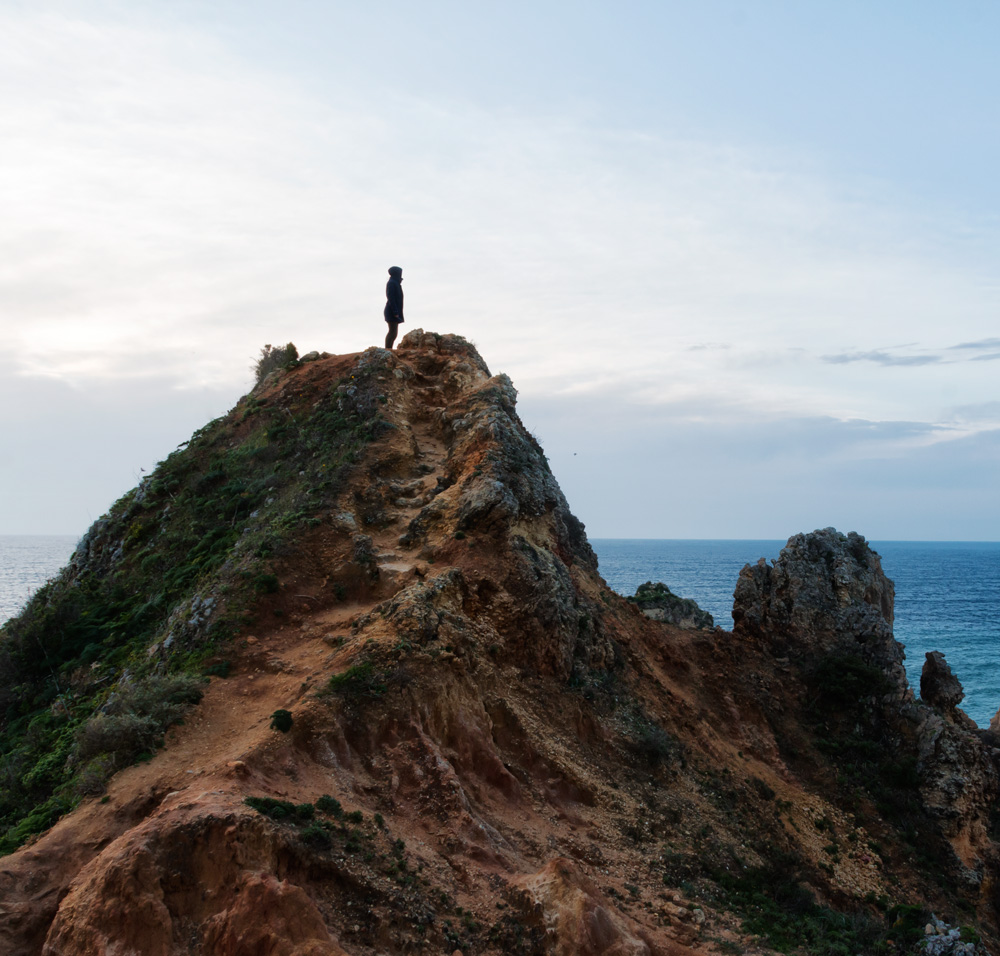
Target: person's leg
391	334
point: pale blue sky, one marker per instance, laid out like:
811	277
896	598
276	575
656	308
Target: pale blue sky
739	259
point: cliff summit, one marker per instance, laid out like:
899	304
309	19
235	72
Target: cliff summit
342	677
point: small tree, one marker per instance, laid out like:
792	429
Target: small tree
273	357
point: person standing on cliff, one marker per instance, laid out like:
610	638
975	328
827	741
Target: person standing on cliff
393	304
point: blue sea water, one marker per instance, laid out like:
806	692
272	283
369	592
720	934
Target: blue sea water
947	596
26	563
947	593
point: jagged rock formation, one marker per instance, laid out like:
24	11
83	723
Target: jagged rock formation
825	594
827	604
939	687
488	751
659	603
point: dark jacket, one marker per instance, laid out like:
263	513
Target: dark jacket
394	300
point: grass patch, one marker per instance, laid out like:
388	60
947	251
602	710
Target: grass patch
776	906
360	680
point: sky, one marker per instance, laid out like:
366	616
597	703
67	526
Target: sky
739	259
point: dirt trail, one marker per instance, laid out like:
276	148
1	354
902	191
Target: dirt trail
278	667
414	489
490	787
227	749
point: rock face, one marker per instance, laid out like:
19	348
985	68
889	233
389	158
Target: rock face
959	780
825	594
487	750
827	605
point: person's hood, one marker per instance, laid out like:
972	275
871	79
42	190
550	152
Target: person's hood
396	272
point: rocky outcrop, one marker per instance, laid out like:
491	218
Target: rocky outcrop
486	750
939	687
580	921
959	787
959	779
659	603
497	484
825	594
218	875
827	605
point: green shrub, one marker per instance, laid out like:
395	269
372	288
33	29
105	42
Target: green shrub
271	807
281	720
266	584
41	818
908	921
360	680
654	744
969	934
273	357
131	724
330	805
842	681
316	836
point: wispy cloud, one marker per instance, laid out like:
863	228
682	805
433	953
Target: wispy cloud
159	191
992	343
168	208
981	412
881	358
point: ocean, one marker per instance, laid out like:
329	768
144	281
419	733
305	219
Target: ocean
26	563
947	596
947	593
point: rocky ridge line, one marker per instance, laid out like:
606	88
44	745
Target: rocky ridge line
491	752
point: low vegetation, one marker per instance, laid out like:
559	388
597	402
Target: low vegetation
359	680
91	670
272	358
778	907
130	726
282	720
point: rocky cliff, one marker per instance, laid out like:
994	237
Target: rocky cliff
413	717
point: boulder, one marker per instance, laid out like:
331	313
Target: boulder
659	603
826	594
939	687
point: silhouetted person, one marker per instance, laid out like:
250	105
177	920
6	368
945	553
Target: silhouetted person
393	304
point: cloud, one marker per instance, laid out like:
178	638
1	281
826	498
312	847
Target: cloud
992	343
990	357
881	358
162	190
770	478
169	207
982	412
